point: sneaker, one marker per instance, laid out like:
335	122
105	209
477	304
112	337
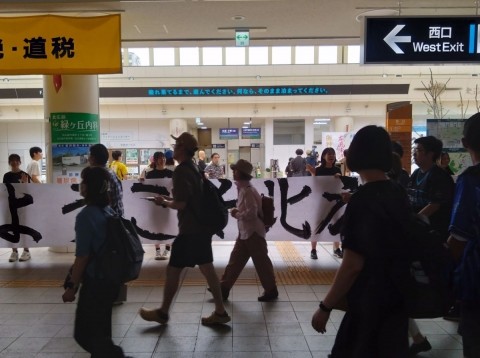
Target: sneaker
25	256
338	253
415	348
154	315
158	255
216	318
269	296
13	256
165	254
313	254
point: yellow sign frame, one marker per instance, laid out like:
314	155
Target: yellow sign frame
52	45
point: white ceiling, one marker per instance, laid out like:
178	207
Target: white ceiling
271	22
203	22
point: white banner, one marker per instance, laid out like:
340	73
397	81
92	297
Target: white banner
305	207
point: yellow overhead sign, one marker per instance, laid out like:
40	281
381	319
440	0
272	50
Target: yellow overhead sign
52	44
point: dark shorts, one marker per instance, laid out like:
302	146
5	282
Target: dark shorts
191	250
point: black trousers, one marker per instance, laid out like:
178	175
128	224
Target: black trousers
93	319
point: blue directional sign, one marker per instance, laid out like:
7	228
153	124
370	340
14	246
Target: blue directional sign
422	40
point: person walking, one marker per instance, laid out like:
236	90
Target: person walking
251	241
464	240
93	317
430	191
192	246
373	237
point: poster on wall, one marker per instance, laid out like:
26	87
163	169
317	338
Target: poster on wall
339	141
72	134
131	156
68	160
450	132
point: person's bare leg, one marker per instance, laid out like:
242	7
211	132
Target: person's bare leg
336	245
208	271
171	287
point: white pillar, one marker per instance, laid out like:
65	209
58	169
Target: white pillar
78	94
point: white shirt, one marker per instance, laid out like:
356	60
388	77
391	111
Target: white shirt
33	168
249	205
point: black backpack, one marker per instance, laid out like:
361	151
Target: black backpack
427	288
213	212
120	258
268	211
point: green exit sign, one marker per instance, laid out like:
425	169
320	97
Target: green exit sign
242	38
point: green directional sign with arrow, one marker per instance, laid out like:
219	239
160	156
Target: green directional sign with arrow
242	38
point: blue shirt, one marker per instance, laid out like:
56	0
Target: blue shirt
465	224
90	233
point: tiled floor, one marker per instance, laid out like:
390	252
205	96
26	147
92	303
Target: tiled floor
35	323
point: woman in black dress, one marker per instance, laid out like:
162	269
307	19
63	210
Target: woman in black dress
327	167
376	217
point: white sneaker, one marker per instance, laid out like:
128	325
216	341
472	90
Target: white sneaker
25	256
13	256
165	254
158	255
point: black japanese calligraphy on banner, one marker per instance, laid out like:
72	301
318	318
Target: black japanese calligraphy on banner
307	208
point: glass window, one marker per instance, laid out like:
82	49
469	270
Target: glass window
327	54
304	55
164	56
189	56
212	56
258	55
138	57
235	55
288	131
353	54
281	55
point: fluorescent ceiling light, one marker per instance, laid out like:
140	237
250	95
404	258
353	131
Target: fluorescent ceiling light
322	120
245	127
320	123
203	127
247	123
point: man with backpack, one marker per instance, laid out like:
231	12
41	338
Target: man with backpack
193	245
250	242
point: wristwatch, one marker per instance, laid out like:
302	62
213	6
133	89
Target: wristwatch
325	308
